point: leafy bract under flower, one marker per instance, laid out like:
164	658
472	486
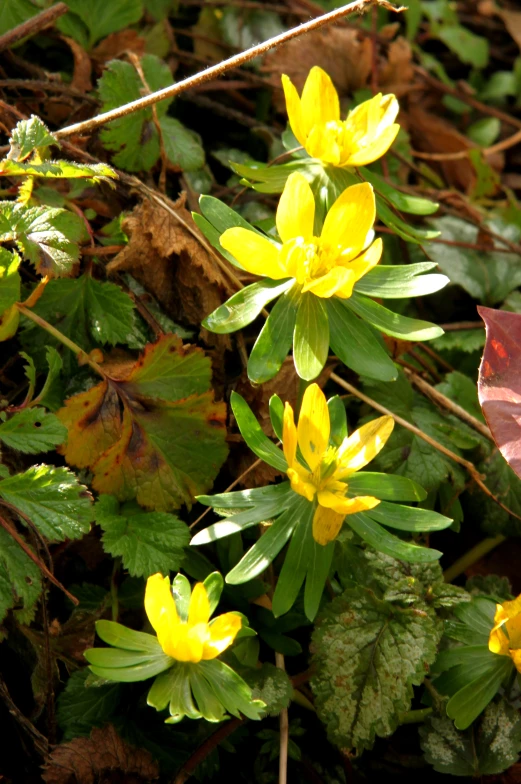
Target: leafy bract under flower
505	637
326	266
192	639
324	477
363	137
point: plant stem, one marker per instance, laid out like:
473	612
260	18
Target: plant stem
415	716
471	557
358	6
80	353
284	731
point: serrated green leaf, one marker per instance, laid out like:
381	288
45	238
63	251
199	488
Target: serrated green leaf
133	138
147	542
20	580
311	337
53	499
82	705
367	655
99	18
28	136
490	748
32	430
48	237
182	146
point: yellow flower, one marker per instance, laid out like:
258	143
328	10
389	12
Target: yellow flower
505	637
193	639
363	137
328	265
329	467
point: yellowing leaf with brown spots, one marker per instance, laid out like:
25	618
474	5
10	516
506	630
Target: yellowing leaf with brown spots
151	430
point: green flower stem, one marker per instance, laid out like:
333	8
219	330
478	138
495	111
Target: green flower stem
79	352
415	716
472	556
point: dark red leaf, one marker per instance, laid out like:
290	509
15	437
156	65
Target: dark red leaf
499	384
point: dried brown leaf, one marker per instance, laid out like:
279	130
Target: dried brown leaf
338	50
172	265
396	73
81	75
103	757
117	44
512	20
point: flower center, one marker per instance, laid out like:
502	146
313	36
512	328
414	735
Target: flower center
309	260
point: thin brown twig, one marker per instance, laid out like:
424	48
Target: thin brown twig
34	558
453	243
219	68
52	87
457	325
41	743
437	397
211	743
32	26
476	477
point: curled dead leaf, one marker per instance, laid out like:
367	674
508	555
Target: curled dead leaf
172	265
117	44
103	757
81	75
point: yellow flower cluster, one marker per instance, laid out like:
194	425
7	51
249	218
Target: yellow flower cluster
192	640
324	476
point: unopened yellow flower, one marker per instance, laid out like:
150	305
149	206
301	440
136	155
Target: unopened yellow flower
363	137
196	638
328	265
328	468
505	637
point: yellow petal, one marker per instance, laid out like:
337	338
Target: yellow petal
299	484
361	266
374	150
294	109
199	610
373	116
516	658
254	253
349	220
296	210
186	644
508	610
324	143
160	609
345	506
313	426
223	631
326	525
363	445
513	630
319	101
498	642
337	279
289	435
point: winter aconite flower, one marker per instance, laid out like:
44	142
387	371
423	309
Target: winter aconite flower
363	137
194	638
328	265
505	637
191	680
324	479
326	489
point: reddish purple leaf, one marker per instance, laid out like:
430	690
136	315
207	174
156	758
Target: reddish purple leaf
499	386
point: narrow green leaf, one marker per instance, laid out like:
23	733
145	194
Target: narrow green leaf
120	636
338	420
311	337
245	498
214	585
408	518
259	557
239	522
318	572
398	282
140	672
251	431
373	533
296	564
387	487
244	306
467	704
356	345
406	232
276	415
207	702
392	323
274	340
231	690
405	202
10	281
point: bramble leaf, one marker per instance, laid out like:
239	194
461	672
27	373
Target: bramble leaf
19	580
32	430
148	542
488	748
134	139
87	23
28	136
47	236
53	499
151	431
367	655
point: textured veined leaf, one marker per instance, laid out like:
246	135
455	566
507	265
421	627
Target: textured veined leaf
20	580
32	430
